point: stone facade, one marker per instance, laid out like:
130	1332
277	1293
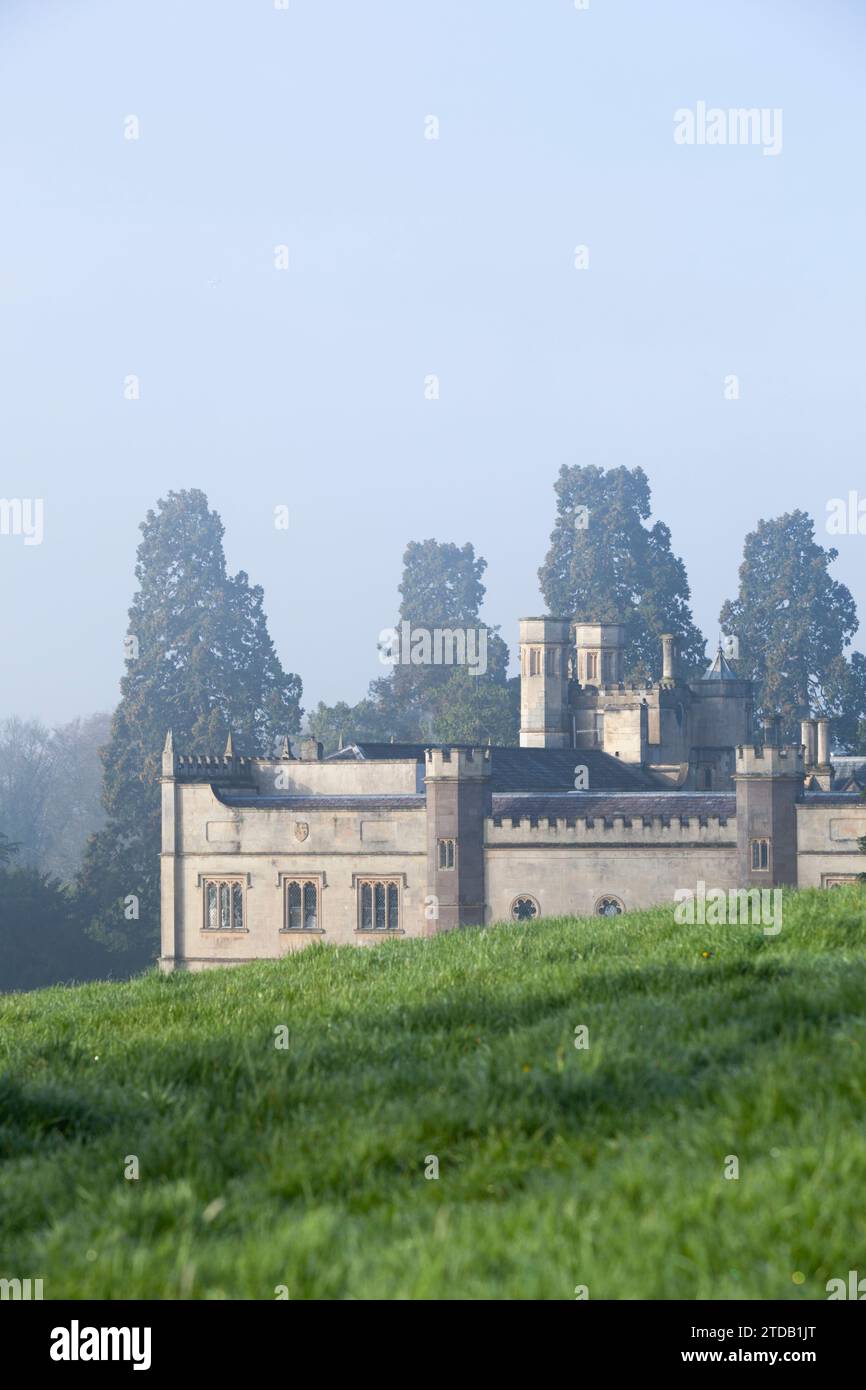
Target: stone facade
617	798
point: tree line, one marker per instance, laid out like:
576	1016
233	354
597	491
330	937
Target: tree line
80	872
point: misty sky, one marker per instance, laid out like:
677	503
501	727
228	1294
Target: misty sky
306	127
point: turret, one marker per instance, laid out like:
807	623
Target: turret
544	716
600	651
769	781
457	782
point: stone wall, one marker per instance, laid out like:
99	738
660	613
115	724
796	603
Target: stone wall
259	846
827	835
640	860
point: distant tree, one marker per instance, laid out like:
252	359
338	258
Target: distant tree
50	790
201	662
793	622
338	724
441	584
441	589
25	786
605	565
7	849
472	710
74	809
844	701
42	936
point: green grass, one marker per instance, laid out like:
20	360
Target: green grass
304	1167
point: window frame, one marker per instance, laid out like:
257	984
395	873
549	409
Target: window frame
386	881
442	844
525	897
754	842
229	881
608	898
318	881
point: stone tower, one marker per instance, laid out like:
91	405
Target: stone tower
458	800
545	721
599	649
769	781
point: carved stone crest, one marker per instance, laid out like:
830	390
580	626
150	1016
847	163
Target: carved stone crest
302	830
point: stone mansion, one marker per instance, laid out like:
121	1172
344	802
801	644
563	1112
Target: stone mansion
618	795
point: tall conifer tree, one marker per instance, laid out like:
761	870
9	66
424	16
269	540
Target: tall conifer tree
200	662
605	565
793	621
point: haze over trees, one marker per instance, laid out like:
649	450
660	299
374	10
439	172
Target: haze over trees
605	565
42	933
201	662
794	622
441	589
50	790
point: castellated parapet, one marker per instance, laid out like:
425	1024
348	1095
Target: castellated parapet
619	828
767	760
452	763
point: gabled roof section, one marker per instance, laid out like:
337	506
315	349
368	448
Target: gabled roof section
850	772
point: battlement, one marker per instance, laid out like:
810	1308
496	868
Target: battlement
624	817
228	766
198	764
627	687
451	763
768	760
568	827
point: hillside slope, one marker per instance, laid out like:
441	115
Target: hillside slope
304	1166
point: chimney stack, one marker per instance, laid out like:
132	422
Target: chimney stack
823	753
669	658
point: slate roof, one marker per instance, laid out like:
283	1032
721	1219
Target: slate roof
850	772
721	669
834	798
855	783
378	752
524	769
629	804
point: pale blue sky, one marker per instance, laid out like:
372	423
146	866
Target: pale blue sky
409	257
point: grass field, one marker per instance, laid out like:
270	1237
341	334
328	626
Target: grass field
304	1167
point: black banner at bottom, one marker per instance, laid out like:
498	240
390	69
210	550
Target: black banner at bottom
69	1338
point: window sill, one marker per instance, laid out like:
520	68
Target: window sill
380	931
302	931
225	931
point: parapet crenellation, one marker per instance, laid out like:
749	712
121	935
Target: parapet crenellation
456	762
619	827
